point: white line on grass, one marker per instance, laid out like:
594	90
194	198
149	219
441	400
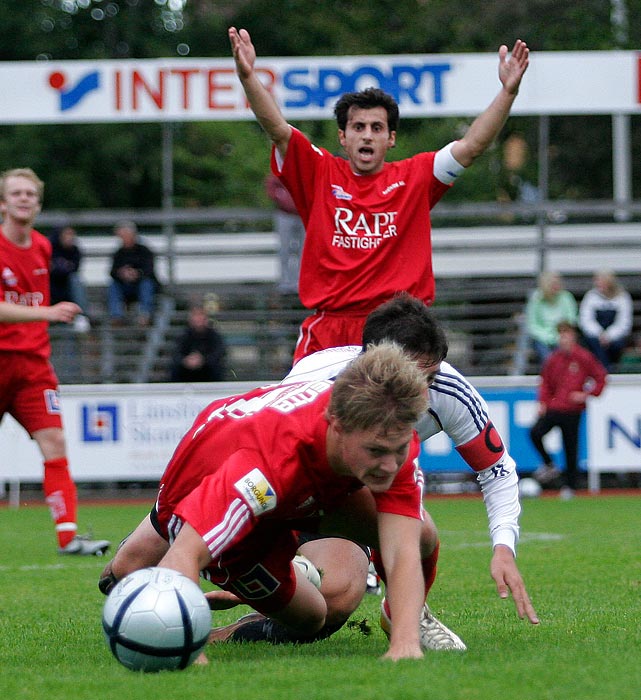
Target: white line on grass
47	567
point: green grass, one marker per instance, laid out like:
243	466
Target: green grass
581	561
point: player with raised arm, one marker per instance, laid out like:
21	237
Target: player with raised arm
367	222
28	384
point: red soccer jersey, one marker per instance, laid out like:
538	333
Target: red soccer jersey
24	279
367	236
260	458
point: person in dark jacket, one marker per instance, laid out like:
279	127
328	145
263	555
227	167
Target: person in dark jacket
132	276
200	353
64	276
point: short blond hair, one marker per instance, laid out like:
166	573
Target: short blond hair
382	388
21	172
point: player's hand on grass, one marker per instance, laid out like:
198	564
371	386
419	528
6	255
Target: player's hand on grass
509	580
397	652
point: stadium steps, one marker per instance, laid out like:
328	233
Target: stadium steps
482	318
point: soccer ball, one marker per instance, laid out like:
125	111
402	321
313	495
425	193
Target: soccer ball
529	488
156	619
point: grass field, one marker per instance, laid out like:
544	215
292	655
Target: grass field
581	560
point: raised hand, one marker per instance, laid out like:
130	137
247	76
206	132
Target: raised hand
511	71
243	51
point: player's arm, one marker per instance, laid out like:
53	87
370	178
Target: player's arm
486	127
63	312
462	414
457	408
188	553
399	544
261	101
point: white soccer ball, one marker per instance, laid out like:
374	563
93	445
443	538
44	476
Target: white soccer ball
156	619
529	488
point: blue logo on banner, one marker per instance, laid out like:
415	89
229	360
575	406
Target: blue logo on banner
100	423
70	96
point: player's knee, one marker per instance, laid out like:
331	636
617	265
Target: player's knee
344	597
308	623
429	537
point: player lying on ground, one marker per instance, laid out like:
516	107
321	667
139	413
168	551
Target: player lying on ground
333	457
458	410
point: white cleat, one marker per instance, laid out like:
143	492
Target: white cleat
435	636
83	545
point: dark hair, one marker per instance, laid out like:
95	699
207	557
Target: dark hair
407	321
366	99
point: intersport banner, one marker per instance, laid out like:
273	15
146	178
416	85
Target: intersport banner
425	85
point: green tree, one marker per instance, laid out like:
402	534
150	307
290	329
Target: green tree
224	164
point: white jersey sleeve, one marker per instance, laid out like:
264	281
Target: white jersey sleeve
324	364
460	411
456	408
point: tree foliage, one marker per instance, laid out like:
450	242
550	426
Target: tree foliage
219	163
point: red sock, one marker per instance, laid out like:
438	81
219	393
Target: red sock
428	566
60	495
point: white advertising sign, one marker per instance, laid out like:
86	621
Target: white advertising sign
614	429
585	82
123	432
128	432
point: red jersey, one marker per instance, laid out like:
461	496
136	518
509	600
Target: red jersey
24	279
567	372
367	236
257	463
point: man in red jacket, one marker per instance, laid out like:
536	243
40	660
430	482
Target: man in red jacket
568	377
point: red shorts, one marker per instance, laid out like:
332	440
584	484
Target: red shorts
258	569
326	329
29	391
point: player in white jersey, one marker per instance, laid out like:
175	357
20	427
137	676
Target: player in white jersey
456	408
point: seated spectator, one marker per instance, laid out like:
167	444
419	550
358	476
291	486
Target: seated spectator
549	304
64	276
630	361
133	278
200	353
605	318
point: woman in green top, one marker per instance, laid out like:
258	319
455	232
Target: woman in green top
547	305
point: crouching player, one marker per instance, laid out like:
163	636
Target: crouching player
455	408
336	457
